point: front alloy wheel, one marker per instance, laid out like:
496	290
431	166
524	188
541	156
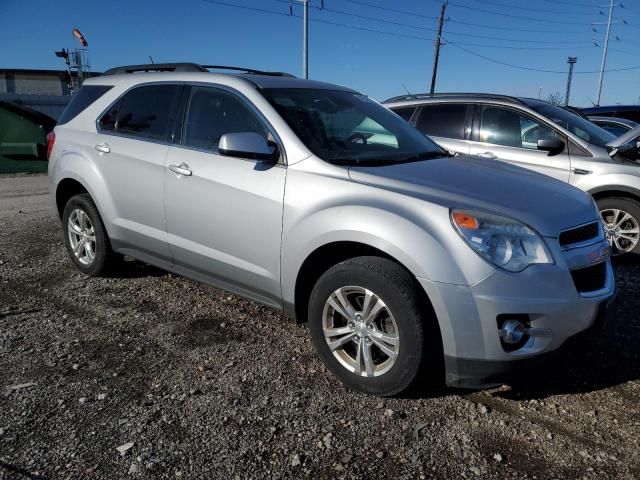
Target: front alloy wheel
621	229
360	331
371	326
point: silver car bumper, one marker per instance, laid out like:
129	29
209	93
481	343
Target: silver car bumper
546	296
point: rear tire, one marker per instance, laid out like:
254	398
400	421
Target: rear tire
85	237
621	220
370	310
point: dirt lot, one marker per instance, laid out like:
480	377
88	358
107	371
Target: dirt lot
204	384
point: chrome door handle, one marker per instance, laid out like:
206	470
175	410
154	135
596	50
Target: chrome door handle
182	169
487	155
580	171
102	148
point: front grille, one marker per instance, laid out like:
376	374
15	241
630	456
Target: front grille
591	278
579	234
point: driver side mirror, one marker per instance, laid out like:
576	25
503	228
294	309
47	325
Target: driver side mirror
631	150
552	145
248	145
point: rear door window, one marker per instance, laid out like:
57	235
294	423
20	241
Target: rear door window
630	115
614	128
81	100
443	120
404	112
146	112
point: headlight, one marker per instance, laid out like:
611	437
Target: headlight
509	244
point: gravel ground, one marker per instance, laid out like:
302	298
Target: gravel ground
149	375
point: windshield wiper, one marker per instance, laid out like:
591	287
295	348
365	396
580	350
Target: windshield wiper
363	162
424	156
379	162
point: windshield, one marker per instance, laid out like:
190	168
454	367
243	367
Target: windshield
349	128
584	129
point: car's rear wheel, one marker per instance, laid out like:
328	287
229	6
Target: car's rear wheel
369	327
621	221
85	236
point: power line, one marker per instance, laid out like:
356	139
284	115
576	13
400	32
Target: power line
403	12
428	29
480	25
316	20
515	29
530	19
522	67
529	9
570	3
415	37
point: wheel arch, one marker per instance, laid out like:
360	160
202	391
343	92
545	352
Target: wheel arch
67	188
612	191
329	254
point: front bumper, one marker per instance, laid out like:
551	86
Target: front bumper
546	295
477	374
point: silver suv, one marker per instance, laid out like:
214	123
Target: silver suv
305	196
548	139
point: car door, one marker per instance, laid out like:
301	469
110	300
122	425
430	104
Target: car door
224	219
133	140
509	135
448	124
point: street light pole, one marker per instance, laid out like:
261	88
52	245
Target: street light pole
305	40
604	54
571	61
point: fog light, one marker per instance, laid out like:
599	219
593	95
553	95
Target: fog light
512	331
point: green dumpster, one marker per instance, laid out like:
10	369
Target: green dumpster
23	143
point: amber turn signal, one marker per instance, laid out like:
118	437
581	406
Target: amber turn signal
464	220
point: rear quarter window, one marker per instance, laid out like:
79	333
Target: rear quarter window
81	100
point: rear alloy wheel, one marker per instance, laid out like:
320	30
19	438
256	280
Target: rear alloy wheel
621	221
370	325
85	236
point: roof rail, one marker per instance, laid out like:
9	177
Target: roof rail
157	67
187	67
418	96
248	70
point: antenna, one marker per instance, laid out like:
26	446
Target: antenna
403	86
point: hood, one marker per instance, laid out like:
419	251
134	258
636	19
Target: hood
544	203
625	138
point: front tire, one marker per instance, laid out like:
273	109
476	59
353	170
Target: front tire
85	237
368	325
621	220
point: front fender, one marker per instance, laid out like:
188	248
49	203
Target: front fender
434	253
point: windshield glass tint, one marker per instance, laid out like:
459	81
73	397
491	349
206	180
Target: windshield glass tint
347	127
577	125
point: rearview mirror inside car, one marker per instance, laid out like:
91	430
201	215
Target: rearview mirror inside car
248	145
551	145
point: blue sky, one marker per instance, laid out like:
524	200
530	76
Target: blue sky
124	32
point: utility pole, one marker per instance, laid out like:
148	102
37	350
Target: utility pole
305	40
571	61
604	53
438	44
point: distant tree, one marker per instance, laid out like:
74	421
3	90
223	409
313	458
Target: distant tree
555	98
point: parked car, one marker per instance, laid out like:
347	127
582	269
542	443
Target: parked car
402	260
630	112
548	139
616	126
